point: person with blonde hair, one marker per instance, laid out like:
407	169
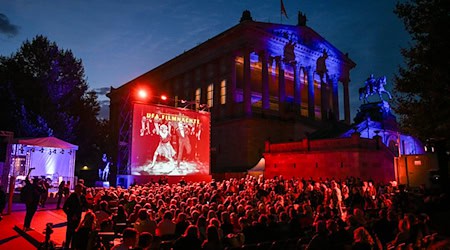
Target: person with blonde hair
362	239
84	237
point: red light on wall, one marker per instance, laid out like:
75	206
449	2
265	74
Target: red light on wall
163	97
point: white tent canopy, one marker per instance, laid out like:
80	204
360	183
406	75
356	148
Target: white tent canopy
258	169
50	156
48	142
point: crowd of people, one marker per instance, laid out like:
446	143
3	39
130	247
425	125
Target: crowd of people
315	214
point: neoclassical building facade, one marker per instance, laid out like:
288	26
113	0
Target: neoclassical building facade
260	81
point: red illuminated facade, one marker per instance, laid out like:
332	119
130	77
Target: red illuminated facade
337	158
259	81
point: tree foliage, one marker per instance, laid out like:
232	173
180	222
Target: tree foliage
422	86
43	92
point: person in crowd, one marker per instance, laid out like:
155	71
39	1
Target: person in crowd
383	228
84	238
362	240
276	203
130	238
181	224
44	185
320	239
73	207
119	219
166	227
135	214
120	216
144	223
202	224
403	235
60	193
2	201
102	214
67	188
31	196
189	240
212	241
145	241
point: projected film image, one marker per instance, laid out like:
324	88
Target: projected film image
169	141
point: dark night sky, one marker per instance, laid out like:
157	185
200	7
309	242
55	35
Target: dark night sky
120	40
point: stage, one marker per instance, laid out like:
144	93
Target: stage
127	180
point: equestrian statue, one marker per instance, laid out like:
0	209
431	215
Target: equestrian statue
374	86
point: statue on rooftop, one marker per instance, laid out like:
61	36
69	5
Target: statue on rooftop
374	86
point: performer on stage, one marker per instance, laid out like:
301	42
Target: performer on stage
164	147
183	142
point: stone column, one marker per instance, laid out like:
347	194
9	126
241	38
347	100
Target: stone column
216	89
324	98
281	85
265	81
346	103
231	85
311	110
247	83
297	87
335	96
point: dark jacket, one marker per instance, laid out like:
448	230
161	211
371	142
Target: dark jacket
73	207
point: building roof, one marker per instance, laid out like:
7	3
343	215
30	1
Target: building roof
250	33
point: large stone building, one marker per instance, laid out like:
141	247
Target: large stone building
260	81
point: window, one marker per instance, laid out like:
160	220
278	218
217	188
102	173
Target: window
223	92
210	95
198	95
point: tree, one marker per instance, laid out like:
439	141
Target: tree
43	92
423	86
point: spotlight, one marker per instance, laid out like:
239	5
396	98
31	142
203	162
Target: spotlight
62	151
42	150
142	94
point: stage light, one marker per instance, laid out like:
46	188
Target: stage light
62	151
142	94
164	97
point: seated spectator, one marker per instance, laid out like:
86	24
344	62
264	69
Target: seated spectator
362	240
403	234
212	241
320	239
226	226
189	240
145	241
166	227
181	224
129	239
135	214
121	215
144	223
202	225
102	214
